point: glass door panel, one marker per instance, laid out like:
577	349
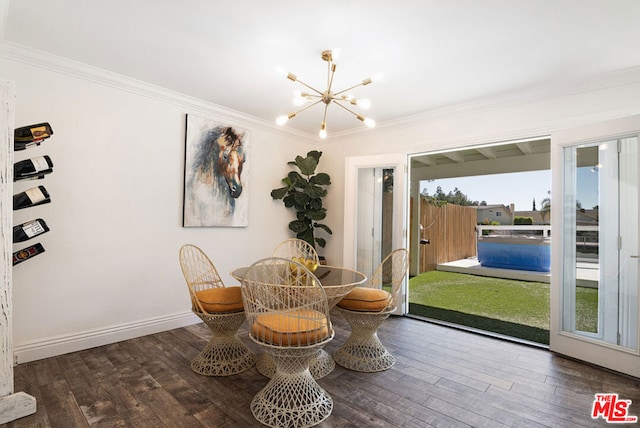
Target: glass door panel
374	234
374	214
368	226
595	299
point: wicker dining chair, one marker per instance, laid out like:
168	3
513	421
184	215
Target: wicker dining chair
297	250
365	308
288	315
221	309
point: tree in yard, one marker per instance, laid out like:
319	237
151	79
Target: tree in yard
455	197
546	207
545	211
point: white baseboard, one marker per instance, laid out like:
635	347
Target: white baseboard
59	345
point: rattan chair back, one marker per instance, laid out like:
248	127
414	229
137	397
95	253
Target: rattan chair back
390	274
295	247
285	304
199	272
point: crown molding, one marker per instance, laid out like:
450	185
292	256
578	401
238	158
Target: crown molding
78	70
550	90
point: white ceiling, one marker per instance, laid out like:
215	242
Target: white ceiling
433	53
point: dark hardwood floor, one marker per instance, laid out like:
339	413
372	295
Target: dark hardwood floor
442	377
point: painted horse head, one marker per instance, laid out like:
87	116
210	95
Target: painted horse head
230	158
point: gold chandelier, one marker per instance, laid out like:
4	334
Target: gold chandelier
327	97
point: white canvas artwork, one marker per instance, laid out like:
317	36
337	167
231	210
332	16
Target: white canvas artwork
216	175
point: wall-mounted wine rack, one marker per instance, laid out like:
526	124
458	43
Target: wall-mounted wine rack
34	168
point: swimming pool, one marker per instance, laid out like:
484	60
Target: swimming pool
531	253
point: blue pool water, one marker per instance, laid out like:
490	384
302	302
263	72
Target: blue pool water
515	253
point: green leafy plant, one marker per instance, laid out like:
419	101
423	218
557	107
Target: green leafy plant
519	220
303	191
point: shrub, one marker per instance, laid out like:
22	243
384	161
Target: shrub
522	220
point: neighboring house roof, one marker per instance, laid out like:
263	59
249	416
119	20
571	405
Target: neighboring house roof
583	217
587	217
489	212
491	206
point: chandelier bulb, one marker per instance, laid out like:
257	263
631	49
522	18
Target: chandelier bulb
323	130
369	122
335	54
281	120
364	103
299	100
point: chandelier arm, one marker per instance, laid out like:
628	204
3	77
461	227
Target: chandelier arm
324	116
332	72
349	110
310	87
329	77
352	87
304	108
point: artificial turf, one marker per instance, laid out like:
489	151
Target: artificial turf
514	308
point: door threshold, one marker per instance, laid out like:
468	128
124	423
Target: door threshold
480	332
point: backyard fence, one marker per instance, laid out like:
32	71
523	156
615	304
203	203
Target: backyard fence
451	231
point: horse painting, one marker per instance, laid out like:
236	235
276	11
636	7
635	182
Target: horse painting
215	192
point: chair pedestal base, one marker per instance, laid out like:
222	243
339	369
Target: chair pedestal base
265	365
363	351
320	365
292	398
225	354
223	357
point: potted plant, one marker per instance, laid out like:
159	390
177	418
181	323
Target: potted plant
303	191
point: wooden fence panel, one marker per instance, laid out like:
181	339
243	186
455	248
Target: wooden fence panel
451	231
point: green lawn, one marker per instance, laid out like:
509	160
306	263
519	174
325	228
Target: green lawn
514	308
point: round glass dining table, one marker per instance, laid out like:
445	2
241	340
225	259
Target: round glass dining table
337	282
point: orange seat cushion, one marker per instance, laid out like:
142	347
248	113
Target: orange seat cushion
299	327
365	300
221	299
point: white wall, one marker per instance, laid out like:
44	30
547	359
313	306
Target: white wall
111	270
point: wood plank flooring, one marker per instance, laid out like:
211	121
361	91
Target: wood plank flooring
443	377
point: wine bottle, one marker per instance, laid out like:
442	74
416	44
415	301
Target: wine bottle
31	198
31	135
25	231
32	169
27	253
